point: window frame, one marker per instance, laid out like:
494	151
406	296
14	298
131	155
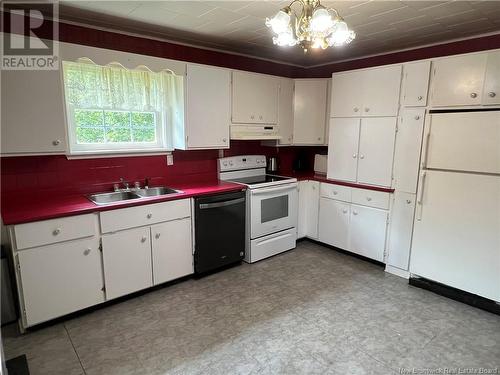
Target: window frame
164	144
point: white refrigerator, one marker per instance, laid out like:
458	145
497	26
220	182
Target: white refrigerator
456	238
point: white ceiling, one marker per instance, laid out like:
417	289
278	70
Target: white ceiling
238	26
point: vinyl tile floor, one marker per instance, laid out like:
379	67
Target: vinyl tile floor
312	310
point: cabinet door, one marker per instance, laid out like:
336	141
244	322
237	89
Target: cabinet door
255	98
127	261
172	250
285	111
302	209
334	223
491	93
208	106
415	84
343	148
368	231
455	238
400	232
309	111
458	80
376	150
408	148
32	113
381	91
346	97
312	209
60	279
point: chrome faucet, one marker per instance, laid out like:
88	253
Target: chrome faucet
125	184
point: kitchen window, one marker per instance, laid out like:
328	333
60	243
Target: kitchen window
111	109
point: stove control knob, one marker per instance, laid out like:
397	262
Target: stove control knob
224	164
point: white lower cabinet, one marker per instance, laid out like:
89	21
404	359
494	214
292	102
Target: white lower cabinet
59	279
334	223
367	231
172	250
308	209
400	231
127	261
359	228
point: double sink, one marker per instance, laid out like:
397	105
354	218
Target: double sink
121	196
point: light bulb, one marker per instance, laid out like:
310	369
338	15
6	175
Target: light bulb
321	21
285	38
341	34
280	22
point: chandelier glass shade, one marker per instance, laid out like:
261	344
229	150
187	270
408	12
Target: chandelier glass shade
315	26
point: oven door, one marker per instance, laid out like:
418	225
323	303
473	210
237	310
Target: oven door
273	209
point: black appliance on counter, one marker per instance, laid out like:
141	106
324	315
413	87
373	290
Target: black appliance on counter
219	231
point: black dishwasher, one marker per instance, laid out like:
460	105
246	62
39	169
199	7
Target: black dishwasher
219	231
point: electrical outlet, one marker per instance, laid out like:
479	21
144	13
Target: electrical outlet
170	159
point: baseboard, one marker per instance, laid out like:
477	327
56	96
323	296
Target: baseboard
397	271
457	294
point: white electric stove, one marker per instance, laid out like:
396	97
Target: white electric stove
271	205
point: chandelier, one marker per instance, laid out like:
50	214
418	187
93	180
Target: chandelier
315	27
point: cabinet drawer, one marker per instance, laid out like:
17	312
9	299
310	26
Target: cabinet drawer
52	231
371	198
339	192
112	221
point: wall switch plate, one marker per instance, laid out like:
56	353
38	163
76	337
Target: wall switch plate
170	159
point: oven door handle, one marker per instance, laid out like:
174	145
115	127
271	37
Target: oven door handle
204	206
274	190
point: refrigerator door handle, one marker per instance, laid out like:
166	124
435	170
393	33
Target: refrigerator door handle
426	149
421	196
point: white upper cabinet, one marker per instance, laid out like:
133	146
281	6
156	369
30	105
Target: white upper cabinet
376	151
347	94
491	93
366	93
408	147
361	150
33	119
285	111
208	107
255	98
415	84
309	111
458	80
343	147
381	91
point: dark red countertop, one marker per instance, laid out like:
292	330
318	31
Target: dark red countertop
17	210
302	176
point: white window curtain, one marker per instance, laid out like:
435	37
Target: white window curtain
114	87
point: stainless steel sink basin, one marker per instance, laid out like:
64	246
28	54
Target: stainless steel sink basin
117	196
156	191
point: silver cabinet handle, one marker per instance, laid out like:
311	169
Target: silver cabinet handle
224	140
368	199
86	252
56	231
149	216
354	156
361	156
354	212
367	109
344	211
492	94
417	117
356	109
319	138
143	239
252	117
473	95
56	142
420	97
261	117
335	193
408	201
157	235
